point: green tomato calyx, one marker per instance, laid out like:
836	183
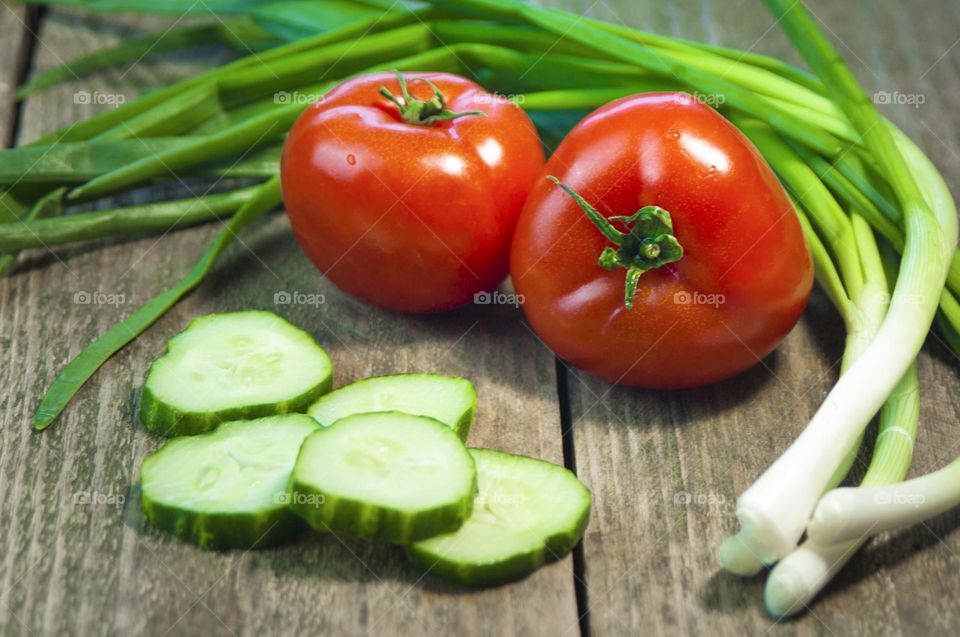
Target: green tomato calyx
648	243
414	110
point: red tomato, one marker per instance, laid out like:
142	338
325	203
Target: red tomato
745	272
409	214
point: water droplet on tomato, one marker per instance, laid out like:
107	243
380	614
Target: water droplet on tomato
351	159
672	134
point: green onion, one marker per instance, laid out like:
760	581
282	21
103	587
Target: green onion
802	574
138	48
31	232
774	511
849	508
48	205
180	114
72	162
849	514
798	577
565	25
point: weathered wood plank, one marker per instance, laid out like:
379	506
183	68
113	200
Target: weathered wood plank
70	567
13	58
665	467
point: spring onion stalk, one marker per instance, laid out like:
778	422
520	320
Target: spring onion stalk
864	296
565	25
851	195
846	508
774	511
330	62
850	513
49	204
70	162
948	321
801	575
825	271
138	48
778	67
803	184
182	113
34	232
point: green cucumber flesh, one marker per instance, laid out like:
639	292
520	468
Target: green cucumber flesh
389	476
227	488
449	399
527	512
233	366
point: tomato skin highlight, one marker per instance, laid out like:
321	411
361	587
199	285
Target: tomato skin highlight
745	275
410	217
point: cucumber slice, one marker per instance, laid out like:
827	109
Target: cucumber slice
233	366
386	475
227	488
449	399
527	512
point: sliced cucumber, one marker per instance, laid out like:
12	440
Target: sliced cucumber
527	512
449	399
227	488
231	367
387	475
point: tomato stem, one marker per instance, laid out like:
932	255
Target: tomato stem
423	112
648	243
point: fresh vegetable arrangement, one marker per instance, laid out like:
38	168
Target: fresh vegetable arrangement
369	463
655	248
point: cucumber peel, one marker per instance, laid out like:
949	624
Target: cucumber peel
227	488
233	366
389	476
449	399
528	512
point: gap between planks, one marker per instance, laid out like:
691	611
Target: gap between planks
570	462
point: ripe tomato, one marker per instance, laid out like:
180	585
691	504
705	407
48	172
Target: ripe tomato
702	311
399	202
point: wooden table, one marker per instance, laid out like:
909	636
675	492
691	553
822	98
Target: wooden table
664	467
